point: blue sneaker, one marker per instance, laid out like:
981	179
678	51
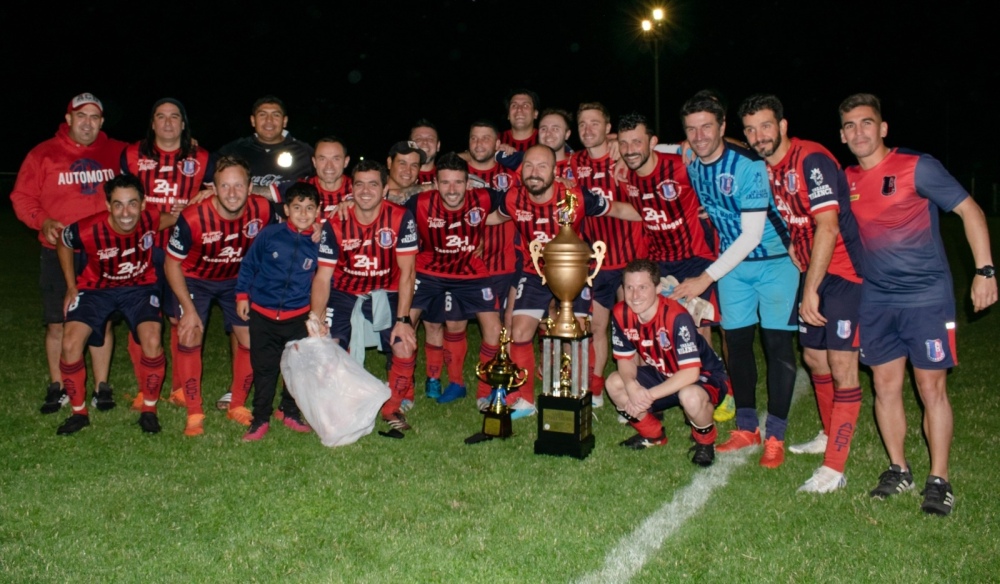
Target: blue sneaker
433	388
521	409
451	393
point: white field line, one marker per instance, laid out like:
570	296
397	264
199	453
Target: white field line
628	557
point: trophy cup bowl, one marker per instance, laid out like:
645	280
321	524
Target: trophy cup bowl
566	271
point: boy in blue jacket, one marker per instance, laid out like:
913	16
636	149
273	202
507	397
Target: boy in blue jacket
272	293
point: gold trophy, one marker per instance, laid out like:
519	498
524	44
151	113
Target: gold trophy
565	408
502	375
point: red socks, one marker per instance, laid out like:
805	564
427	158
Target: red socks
486	352
242	377
823	384
74	380
435	360
455	349
843	420
523	355
648	427
187	372
400	383
150	372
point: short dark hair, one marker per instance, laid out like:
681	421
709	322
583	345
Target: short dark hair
632	121
859	100
643	265
367	165
762	101
229	161
705	100
593	105
331	140
302	190
124	181
423	123
452	161
555	111
484	123
535	102
268	99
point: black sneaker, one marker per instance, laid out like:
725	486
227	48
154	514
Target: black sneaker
640	442
55	398
892	482
149	422
938	497
73	424
704	454
103	399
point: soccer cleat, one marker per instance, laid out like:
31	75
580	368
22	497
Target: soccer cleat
73	424
177	398
596	401
640	442
55	398
815	446
137	402
149	423
774	453
406	405
195	425
892	482
294	422
433	388
240	415
938	497
397	421
521	409
726	410
483	404
104	398
451	393
704	454
739	439
223	402
824	480
256	431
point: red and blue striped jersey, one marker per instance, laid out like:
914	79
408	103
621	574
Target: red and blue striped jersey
499	245
450	240
364	256
114	260
625	239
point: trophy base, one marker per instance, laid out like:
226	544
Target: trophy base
497	425
564	426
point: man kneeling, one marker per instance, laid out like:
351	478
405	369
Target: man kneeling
678	365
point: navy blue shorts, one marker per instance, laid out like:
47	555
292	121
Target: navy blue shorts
649	376
338	316
503	284
839	300
167	298
605	289
533	297
690	268
924	334
442	299
138	304
53	285
203	292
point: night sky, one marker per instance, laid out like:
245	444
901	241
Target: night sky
366	70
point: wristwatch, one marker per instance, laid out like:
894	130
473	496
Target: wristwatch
986	272
404	319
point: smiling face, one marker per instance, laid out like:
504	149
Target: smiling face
168	124
85	124
125	206
483	144
452	185
636	146
704	134
269	122
538	170
232	186
521	112
553	132
592	128
427	140
302	213
641	294
765	133
404	169
368	190
863	130
330	161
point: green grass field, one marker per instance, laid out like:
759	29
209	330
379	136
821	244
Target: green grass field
111	504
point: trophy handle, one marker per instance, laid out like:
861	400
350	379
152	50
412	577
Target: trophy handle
536	253
518	382
599	250
480	374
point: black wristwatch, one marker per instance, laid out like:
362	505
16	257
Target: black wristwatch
986	272
404	319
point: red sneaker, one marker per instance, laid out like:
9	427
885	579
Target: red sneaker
774	453
256	432
739	439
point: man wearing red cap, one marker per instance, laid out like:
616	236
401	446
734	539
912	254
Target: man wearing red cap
59	183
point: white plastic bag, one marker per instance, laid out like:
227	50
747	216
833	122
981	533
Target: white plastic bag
337	396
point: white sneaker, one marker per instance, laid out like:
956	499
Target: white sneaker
406	405
223	402
522	409
483	404
824	480
597	401
622	419
815	446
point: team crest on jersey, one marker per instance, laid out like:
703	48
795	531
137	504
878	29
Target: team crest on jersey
668	190
726	183
888	185
502	181
189	166
816	176
146	241
252	228
145	165
935	350
844	329
791	181
474	216
487	294
307	264
663	338
685	334
386	237
583	171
